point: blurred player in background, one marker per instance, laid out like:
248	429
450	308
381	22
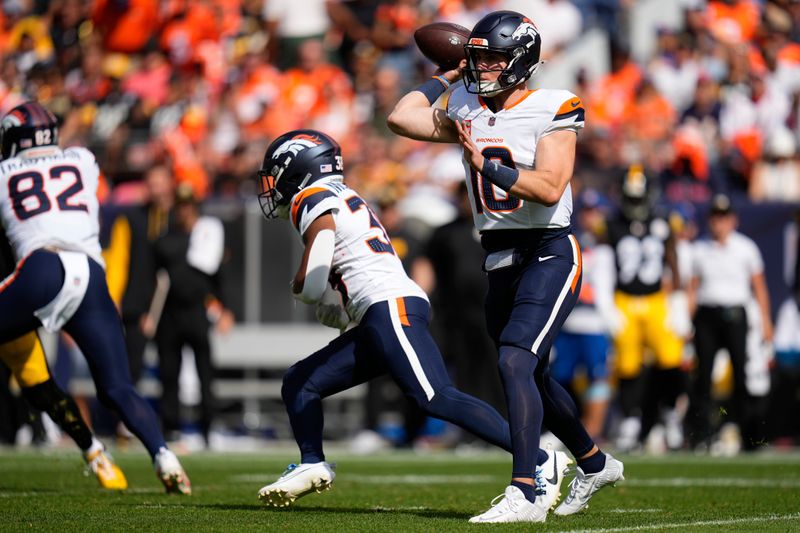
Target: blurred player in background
352	273
519	152
49	209
647	270
583	343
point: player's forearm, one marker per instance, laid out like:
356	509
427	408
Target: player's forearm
312	278
541	186
415	118
404	118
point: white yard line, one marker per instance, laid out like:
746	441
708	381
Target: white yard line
698	523
414	479
626	511
711	482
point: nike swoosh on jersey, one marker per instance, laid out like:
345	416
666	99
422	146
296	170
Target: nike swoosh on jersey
545	258
575	104
553	480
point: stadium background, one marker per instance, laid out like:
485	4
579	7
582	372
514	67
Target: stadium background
703	94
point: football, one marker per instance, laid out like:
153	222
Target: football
443	43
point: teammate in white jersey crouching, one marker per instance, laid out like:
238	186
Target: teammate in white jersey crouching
351	272
48	207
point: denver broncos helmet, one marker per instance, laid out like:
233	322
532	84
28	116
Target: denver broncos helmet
28	125
293	161
511	34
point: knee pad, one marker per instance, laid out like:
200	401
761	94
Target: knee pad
514	361
295	381
116	394
290	384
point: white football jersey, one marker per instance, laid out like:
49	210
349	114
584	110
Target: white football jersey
365	268
51	201
510	137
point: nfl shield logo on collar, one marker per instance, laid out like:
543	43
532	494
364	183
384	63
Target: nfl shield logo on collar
492	120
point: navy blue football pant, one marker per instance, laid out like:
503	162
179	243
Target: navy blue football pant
526	306
392	338
95	327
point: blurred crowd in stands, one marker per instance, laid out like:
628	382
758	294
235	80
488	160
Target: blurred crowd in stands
198	88
204	85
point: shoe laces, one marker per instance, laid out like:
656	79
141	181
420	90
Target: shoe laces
501	499
577	484
289	469
539	483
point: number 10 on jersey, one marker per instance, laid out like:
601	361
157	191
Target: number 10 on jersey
484	193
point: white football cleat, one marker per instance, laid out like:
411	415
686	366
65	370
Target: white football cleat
585	485
549	477
296	482
171	473
513	507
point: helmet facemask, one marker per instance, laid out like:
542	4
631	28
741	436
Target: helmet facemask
294	161
272	202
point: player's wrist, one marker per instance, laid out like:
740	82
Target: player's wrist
500	175
434	88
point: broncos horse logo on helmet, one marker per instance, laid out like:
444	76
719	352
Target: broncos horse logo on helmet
28	125
525	29
514	36
294	161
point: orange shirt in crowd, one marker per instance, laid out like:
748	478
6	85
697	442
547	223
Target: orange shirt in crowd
400	16
688	145
609	96
261	87
186	166
125	30
451	8
198	24
650	117
310	94
733	23
790	53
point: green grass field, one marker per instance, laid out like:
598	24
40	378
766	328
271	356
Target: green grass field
394	492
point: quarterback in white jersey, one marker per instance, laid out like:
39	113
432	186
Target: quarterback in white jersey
519	154
510	136
48	207
387	313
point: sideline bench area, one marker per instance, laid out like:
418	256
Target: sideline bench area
255	350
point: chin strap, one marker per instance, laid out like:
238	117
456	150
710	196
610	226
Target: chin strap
319	267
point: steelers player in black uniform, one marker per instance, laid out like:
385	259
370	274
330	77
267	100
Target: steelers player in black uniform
25	358
646	268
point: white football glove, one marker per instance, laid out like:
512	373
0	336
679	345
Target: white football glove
678	319
331	311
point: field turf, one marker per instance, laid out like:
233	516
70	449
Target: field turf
393	492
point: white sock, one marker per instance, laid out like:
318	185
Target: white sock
95	447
